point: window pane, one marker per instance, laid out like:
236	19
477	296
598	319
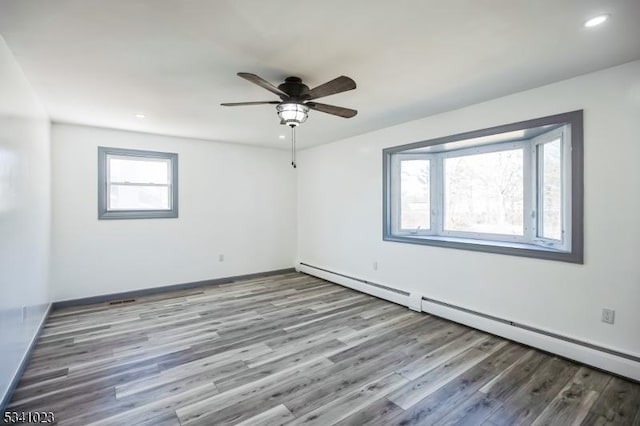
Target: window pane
551	190
132	197
485	193
415	208
138	170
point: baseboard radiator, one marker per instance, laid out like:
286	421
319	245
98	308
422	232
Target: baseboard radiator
611	360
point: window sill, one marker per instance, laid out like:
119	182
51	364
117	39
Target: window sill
499	247
138	214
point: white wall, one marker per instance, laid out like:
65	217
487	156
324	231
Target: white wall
24	215
233	200
340	217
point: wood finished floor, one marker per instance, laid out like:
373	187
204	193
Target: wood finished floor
293	349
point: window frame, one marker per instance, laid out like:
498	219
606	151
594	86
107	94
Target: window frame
565	152
103	182
569	250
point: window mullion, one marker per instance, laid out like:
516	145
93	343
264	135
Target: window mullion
529	176
437	206
395	193
566	188
539	192
432	165
139	184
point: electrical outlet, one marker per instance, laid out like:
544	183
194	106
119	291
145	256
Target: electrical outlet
221	257
375	266
608	315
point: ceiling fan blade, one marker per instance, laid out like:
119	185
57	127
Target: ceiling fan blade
332	109
262	83
337	85
250	103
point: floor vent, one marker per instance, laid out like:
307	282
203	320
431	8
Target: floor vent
122	302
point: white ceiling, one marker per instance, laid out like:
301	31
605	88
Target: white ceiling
98	62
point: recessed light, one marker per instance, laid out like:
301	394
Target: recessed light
140	116
282	136
596	20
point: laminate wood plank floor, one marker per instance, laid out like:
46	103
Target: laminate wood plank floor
294	349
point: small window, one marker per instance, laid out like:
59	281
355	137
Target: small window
514	189
415	197
135	184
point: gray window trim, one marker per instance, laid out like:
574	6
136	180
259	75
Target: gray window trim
576	253
103	213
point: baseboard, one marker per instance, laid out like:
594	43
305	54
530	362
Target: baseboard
391	294
24	362
611	360
156	290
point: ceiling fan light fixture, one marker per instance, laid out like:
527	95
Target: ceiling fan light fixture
292	113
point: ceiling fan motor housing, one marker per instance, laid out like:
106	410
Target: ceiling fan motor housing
294	87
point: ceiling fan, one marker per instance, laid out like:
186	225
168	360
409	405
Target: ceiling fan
296	99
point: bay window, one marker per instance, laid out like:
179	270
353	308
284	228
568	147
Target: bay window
514	189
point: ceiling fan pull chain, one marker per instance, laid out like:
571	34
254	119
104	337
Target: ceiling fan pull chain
293	146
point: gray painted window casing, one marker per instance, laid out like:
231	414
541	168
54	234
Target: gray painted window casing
572	251
104	213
